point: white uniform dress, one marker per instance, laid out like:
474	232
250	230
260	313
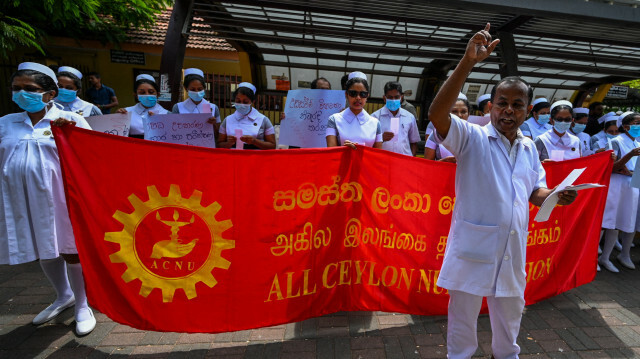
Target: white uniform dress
533	129
253	124
34	221
407	132
188	106
80	107
441	151
139	113
362	129
585	143
550	141
486	247
621	209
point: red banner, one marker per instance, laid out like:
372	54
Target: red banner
178	238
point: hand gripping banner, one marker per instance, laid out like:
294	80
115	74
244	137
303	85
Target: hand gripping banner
188	239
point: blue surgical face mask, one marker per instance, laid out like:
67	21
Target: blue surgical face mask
148	101
65	95
561	127
196	96
393	105
243	108
578	127
29	101
544	119
634	131
610	135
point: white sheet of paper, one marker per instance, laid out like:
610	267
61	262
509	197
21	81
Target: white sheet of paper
238	134
206	108
557	155
114	124
394	127
550	202
635	179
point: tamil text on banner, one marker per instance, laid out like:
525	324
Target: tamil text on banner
171	242
114	124
183	129
306	115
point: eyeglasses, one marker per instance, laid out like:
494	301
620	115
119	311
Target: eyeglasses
566	119
354	93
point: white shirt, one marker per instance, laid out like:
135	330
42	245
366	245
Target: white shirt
407	132
252	124
599	140
362	128
486	247
33	209
550	141
533	129
139	113
441	151
188	106
80	107
585	143
622	145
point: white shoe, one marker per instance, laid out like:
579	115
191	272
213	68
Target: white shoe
608	266
86	326
626	262
618	246
598	267
599	250
52	311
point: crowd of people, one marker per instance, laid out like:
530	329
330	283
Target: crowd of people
38	226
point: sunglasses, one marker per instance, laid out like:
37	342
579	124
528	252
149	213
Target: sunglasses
354	93
566	119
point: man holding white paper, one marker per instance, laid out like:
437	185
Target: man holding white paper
498	173
400	130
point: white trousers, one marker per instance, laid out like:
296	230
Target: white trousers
505	314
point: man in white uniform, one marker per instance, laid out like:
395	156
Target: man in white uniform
405	140
498	173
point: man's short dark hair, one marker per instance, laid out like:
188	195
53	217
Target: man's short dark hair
343	81
593	105
314	83
513	80
93	73
392	85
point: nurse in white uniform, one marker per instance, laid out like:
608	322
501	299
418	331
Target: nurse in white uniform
33	209
246	124
538	123
146	91
484	104
406	140
196	103
437	152
559	138
68	86
580	119
600	141
354	126
620	212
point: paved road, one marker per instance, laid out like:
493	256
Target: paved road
597	320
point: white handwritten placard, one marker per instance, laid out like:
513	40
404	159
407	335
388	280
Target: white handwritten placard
114	124
306	115
184	129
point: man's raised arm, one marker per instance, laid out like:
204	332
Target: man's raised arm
479	48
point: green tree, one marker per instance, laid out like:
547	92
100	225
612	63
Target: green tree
634	84
29	22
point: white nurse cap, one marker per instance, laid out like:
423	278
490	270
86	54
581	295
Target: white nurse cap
604	118
357	74
581	110
462	96
145	77
621	117
561	103
70	70
45	70
484	97
193	71
248	85
539	100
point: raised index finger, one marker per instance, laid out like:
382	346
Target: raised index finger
487	27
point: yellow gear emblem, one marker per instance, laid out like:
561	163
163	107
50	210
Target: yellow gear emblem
147	265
